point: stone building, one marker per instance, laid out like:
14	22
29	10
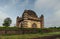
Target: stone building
29	19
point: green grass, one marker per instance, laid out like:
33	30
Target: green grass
27	36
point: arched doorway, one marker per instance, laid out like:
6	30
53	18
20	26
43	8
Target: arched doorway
34	25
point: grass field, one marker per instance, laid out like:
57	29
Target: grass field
28	36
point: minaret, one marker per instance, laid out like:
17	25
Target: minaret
17	23
42	21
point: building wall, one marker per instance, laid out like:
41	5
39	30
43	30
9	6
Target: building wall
32	22
29	23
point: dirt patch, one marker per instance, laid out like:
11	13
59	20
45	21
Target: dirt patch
48	37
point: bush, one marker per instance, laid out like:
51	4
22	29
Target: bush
29	30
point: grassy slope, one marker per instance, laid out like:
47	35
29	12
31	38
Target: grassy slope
27	36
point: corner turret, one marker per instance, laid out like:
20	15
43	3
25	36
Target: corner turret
42	21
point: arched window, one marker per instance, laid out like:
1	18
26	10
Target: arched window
34	25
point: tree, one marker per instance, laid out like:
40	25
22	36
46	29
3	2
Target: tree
7	22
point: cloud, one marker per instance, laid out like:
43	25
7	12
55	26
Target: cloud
51	11
4	10
9	9
46	3
57	14
3	15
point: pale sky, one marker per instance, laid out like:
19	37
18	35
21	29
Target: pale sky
49	8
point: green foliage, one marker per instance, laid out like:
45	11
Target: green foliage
7	22
9	28
30	30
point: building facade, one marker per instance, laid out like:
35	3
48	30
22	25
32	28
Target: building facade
30	19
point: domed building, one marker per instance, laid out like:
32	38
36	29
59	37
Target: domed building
30	19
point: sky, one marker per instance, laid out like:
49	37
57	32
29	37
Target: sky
49	8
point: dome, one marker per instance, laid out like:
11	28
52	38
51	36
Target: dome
30	13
